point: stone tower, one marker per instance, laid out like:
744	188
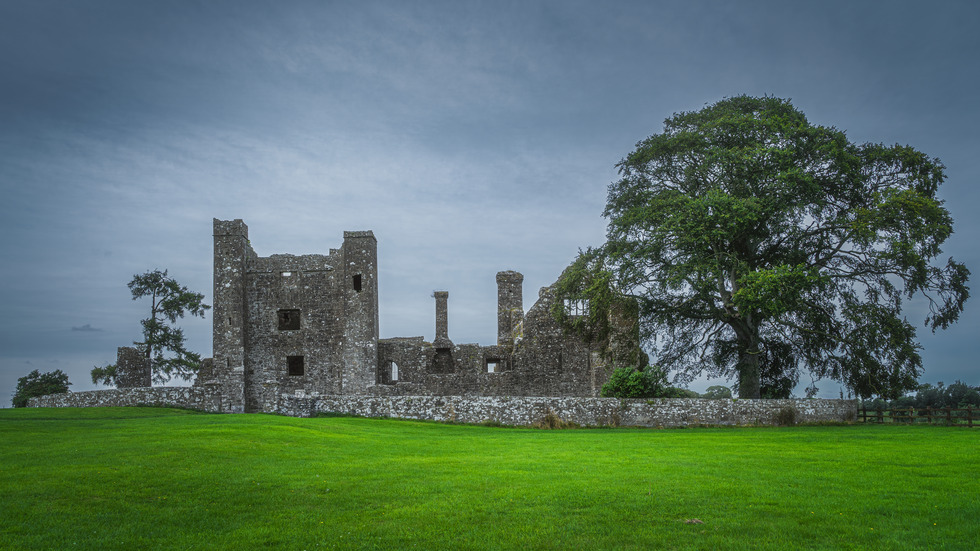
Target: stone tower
360	254
231	251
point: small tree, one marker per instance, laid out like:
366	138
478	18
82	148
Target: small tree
163	341
39	384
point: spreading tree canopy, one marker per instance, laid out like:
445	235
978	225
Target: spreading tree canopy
760	246
163	341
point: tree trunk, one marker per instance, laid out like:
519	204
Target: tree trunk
749	372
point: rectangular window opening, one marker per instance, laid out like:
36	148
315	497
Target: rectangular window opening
288	320
577	307
294	366
493	366
357	283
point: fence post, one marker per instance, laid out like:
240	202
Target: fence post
881	417
929	414
969	415
949	416
912	414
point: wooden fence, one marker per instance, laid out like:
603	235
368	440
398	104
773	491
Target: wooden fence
968	416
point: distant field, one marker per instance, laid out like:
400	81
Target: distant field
149	478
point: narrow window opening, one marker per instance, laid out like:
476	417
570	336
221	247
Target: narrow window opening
286	274
294	365
288	320
394	372
494	366
357	282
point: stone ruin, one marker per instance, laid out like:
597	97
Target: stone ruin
307	326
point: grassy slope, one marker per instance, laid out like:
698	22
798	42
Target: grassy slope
165	479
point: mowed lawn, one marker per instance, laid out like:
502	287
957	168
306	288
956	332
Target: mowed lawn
152	478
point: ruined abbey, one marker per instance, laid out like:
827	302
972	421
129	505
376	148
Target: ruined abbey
307	326
298	335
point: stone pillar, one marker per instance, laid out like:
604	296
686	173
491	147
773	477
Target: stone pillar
510	306
442	315
132	368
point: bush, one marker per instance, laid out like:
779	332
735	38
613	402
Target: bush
552	421
787	416
626	382
39	384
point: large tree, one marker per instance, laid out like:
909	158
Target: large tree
760	246
163	341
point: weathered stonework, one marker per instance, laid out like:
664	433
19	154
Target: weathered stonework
132	368
307	326
292	325
507	410
533	356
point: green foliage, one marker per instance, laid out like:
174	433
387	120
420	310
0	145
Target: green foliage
608	319
36	383
163	341
717	392
648	382
105	375
771	247
956	395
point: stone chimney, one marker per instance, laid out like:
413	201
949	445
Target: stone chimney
442	320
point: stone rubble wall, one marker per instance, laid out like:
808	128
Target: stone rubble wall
527	411
203	398
517	410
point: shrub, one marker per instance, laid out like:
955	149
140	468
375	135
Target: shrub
39	384
787	416
627	382
552	421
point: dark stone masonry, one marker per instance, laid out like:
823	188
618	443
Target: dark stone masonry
298	335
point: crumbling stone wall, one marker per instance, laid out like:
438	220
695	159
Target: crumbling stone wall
534	356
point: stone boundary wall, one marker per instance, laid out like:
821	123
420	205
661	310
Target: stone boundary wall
518	410
202	398
526	411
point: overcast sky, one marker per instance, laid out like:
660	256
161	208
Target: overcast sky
471	137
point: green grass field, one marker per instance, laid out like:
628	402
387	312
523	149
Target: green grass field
151	478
